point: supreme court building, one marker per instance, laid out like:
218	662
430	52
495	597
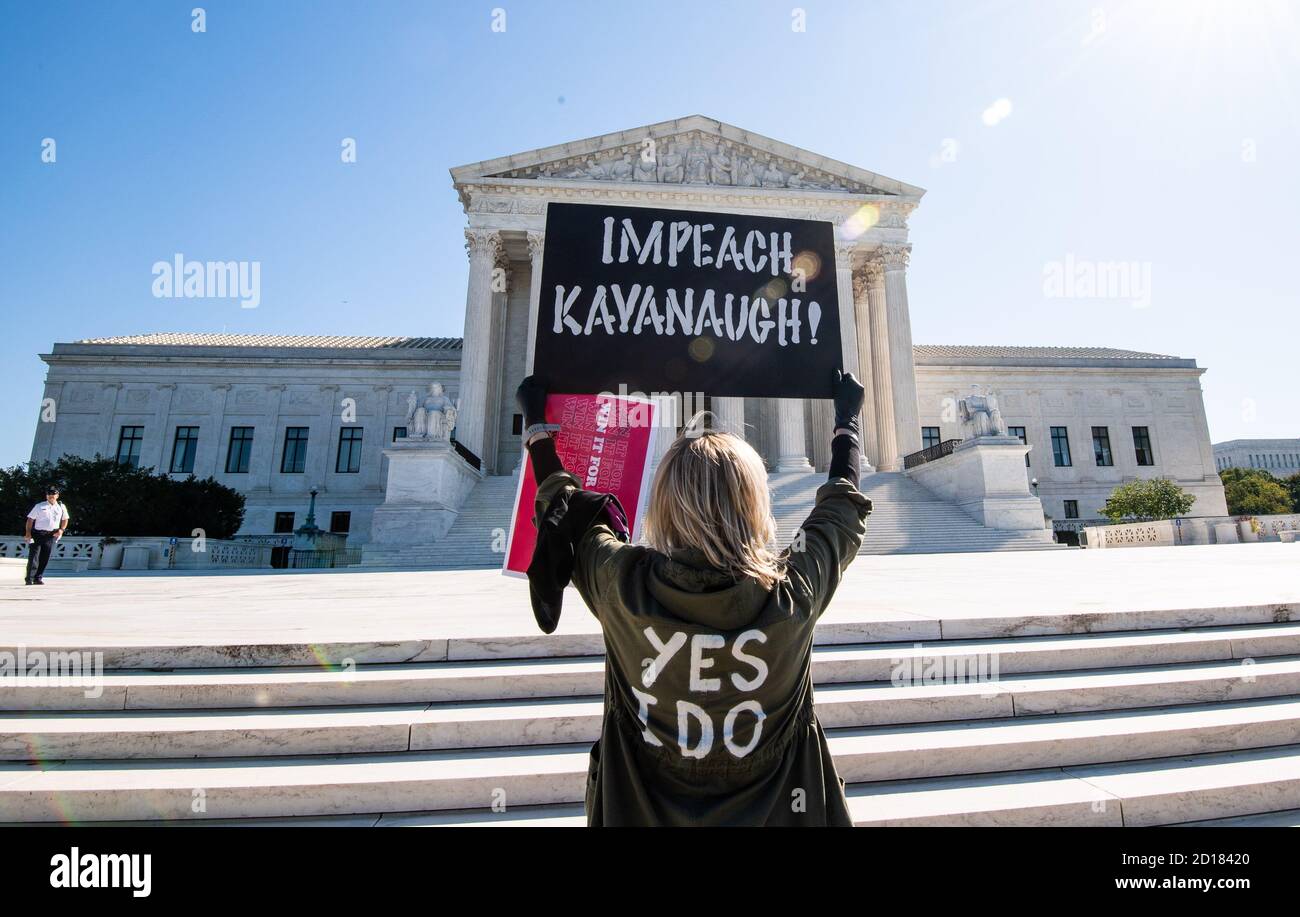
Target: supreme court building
262	413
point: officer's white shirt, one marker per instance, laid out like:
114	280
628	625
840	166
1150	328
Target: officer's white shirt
46	517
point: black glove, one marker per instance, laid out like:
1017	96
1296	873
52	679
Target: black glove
848	395
531	398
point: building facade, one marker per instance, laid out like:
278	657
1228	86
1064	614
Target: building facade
270	416
276	417
1094	418
1279	456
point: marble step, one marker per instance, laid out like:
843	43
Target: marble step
1256	788
1253	788
499	723
1288	818
463	779
571	676
854	623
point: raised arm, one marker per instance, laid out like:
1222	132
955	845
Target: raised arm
531	398
831	535
578	532
845	447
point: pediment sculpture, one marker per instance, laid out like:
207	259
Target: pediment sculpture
692	159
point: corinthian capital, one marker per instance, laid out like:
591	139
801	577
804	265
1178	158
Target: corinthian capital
536	241
860	284
482	242
894	256
873	272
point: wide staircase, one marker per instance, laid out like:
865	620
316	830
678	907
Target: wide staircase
906	519
1084	725
473	539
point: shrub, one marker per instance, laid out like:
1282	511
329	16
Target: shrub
106	498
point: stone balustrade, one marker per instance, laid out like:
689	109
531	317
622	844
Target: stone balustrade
1198	530
80	553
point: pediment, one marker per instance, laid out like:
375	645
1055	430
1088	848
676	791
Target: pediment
694	151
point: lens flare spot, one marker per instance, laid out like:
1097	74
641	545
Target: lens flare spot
701	350
997	112
860	221
806	265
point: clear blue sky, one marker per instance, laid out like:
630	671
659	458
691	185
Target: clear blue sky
1163	132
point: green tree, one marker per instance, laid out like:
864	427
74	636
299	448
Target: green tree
1292	484
107	498
1254	492
1153	498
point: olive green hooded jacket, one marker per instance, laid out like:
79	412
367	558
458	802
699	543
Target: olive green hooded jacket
708	681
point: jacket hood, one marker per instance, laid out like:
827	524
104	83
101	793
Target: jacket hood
688	587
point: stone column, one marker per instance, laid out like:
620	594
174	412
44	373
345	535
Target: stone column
108	413
482	246
374	480
664	432
43	444
327	451
907	417
156	455
536	243
212	463
501	279
851	331
262	465
729	415
867	375
887	457
792	454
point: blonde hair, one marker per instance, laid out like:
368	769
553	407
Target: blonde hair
710	493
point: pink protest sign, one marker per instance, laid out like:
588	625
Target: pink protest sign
605	441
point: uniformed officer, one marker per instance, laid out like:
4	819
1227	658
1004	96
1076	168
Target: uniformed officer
46	524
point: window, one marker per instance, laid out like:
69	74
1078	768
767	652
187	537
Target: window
1061	447
294	460
1019	433
929	437
1142	446
1101	446
128	446
517	424
340	522
399	433
349	457
240	451
186	444
283	523
1071	509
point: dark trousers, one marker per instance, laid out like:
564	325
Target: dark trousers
38	554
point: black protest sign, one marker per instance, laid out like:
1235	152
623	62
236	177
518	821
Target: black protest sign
686	301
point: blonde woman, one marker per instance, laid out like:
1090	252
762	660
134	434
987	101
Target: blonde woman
708	630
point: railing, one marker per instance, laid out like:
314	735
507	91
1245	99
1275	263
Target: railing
930	454
319	560
474	461
68	551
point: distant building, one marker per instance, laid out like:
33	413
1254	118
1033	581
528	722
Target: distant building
1280	456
